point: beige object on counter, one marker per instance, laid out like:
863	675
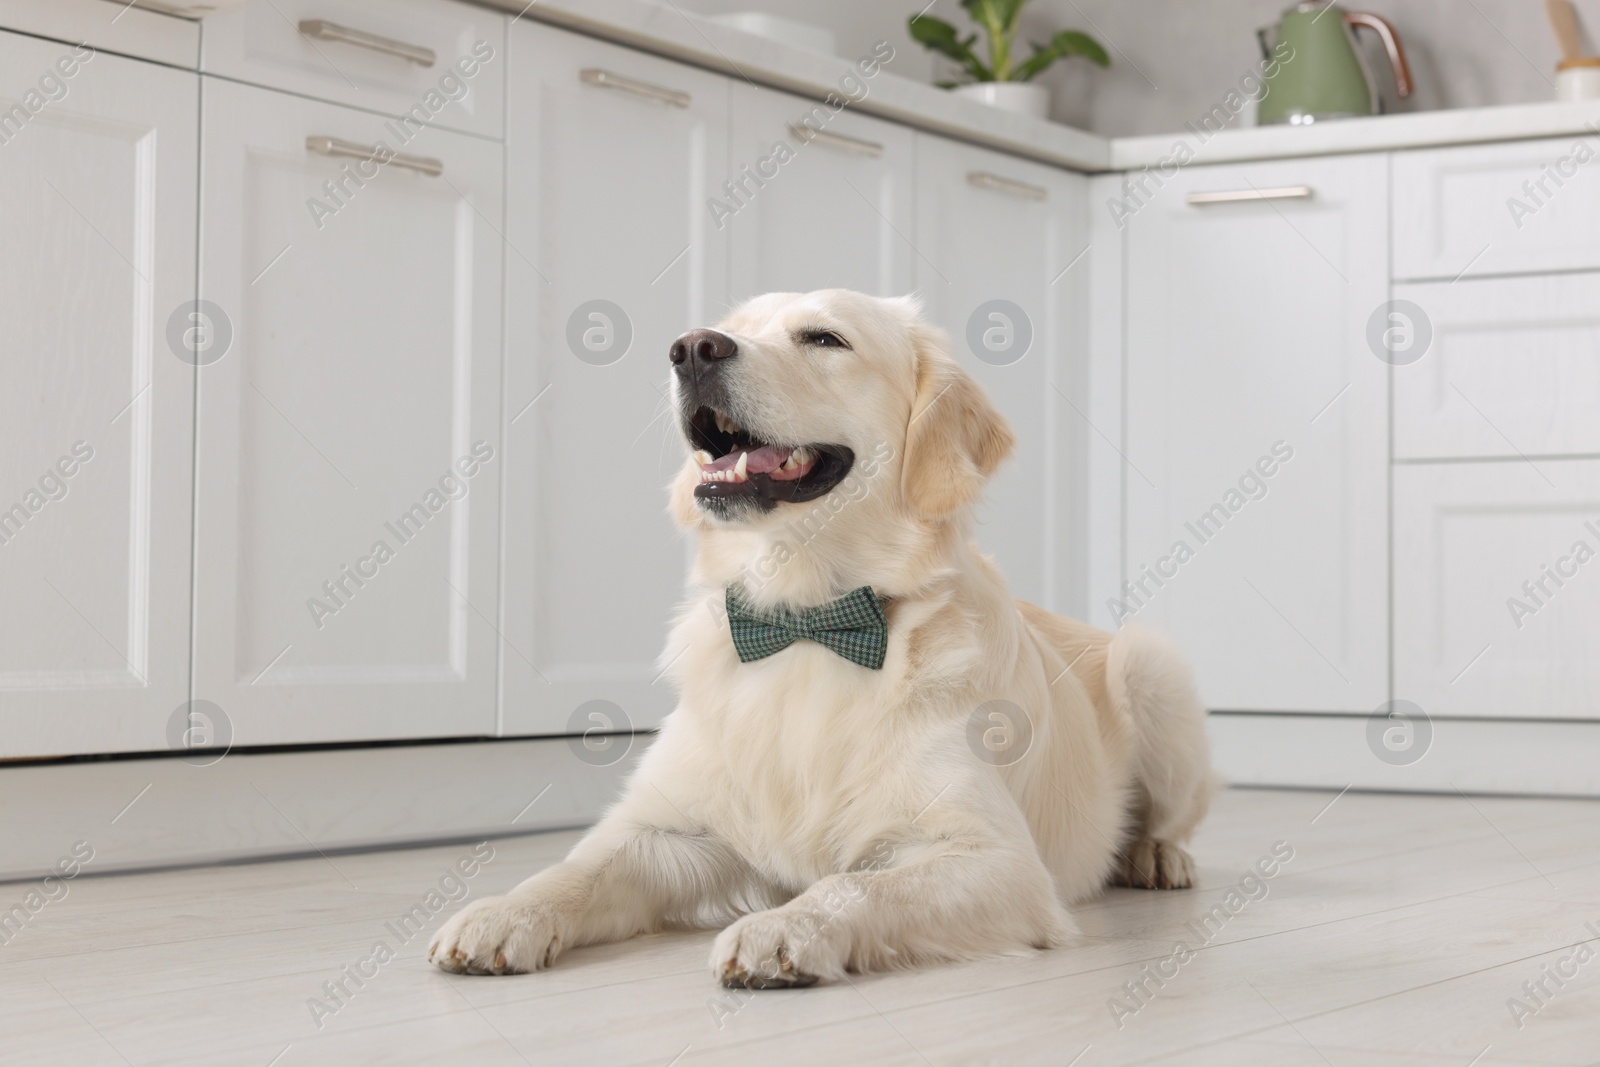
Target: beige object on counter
1577	75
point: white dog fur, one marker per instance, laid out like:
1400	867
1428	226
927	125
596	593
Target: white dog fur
833	818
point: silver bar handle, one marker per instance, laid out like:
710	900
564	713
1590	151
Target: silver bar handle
605	79
985	180
856	145
323	30
333	146
1236	196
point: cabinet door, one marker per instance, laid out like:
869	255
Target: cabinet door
346	563
1002	261
821	199
1497	588
97	193
1512	369
614	155
1246	342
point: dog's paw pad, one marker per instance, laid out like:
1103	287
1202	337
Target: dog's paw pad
497	935
772	950
1151	864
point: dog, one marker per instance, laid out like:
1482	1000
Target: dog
879	758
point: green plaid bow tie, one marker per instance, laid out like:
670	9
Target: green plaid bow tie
854	626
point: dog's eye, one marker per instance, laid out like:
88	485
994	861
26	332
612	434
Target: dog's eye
823	339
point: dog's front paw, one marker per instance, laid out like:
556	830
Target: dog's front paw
776	949
1151	864
498	935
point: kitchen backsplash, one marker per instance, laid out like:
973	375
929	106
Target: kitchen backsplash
1171	59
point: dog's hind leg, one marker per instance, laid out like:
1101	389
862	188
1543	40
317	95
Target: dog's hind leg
1151	684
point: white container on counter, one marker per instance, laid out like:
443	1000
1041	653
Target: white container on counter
1578	79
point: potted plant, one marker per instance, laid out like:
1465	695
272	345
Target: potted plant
1000	77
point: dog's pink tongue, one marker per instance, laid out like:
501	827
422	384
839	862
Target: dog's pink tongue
766	459
763	460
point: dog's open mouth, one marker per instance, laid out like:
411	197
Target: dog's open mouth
736	463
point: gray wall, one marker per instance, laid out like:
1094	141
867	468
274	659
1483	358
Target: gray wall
1173	59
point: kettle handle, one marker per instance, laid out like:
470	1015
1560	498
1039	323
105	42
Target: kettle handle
1391	43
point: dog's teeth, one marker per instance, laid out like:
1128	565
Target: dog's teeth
703	457
789	462
740	473
725	424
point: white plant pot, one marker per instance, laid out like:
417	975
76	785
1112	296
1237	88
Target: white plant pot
1024	98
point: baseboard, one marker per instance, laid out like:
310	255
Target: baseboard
163	811
1509	756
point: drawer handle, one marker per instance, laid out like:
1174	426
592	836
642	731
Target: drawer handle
860	147
660	94
332	146
322	30
985	180
1234	196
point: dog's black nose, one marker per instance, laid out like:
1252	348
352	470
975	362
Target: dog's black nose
706	346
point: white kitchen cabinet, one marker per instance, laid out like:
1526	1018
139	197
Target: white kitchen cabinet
361	387
820	199
1002	260
1497	588
436	62
1257	434
1525	206
611	254
134	31
1511	369
97	192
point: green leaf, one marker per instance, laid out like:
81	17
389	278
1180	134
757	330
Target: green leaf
939	36
1000	13
998	20
1010	11
1073	43
1064	44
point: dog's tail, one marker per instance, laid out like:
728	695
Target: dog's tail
1150	683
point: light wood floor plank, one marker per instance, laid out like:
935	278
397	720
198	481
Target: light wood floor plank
1396	935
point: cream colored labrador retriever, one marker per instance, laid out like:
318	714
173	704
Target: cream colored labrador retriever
924	769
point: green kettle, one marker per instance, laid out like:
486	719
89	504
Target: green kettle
1314	73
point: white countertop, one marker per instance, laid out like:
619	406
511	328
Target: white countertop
1381	132
666	29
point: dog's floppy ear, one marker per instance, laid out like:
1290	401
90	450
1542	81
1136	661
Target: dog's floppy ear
955	438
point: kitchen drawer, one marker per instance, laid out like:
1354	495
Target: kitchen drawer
1513	369
138	33
452	76
1480	210
1497	588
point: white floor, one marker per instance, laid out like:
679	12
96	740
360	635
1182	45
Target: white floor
1396	934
